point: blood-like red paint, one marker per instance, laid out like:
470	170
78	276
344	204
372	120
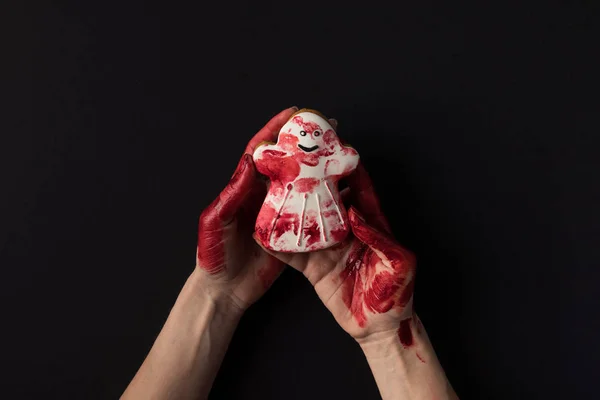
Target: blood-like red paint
265	219
311	231
269	132
329	213
288	141
407	293
219	214
352	285
283	162
330	138
364	198
286	222
278	167
383	287
405	333
329	165
304	185
307	126
268	273
339	235
370	284
421	358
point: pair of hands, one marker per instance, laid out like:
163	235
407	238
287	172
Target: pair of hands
366	282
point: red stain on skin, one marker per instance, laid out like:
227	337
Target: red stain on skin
405	333
407	293
220	213
352	286
328	203
365	199
383	287
421	358
371	283
304	185
269	273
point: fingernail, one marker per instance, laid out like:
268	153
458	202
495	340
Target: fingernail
295	108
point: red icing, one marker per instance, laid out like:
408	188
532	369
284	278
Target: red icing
273	153
282	163
339	234
285	223
330	213
368	283
329	164
311	231
265	219
303	185
288	142
307	126
277	166
330	138
405	333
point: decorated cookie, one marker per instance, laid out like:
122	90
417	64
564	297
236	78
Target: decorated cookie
303	210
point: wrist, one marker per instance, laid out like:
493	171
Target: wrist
382	345
201	289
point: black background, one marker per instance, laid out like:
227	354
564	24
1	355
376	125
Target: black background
478	121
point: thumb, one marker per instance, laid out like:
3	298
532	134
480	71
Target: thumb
391	253
234	194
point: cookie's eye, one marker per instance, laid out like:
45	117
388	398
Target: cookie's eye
302	133
317	133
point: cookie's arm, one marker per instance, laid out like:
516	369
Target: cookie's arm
265	158
343	162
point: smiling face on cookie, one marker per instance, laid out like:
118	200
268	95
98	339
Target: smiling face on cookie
306	132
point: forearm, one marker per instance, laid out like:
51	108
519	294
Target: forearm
187	353
405	365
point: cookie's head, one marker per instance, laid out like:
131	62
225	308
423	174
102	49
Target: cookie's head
307	131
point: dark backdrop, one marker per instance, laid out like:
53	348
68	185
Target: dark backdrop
478	121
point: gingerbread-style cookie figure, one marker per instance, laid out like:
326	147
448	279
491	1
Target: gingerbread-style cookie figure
303	210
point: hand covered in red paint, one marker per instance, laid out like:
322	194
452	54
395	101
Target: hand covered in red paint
233	267
366	282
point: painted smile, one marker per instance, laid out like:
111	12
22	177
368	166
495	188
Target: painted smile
308	149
